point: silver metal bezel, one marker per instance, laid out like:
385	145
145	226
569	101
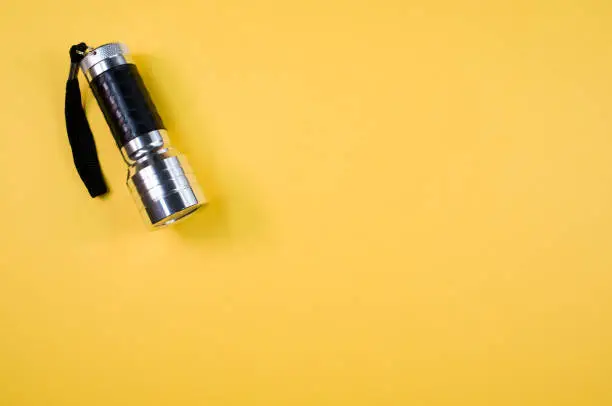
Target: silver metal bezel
164	188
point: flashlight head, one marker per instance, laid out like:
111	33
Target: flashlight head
164	187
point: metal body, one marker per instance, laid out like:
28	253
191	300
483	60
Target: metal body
159	178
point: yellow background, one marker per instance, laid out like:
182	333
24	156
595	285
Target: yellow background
410	204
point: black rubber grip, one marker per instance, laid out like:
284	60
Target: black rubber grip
126	103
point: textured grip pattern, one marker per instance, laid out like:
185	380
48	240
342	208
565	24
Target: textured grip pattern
126	103
101	53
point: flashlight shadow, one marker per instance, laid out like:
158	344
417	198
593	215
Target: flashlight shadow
229	214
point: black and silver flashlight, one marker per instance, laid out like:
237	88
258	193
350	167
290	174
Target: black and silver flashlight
159	178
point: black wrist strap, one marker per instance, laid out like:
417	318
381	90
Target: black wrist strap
84	152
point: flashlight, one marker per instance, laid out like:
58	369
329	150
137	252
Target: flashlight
159	178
